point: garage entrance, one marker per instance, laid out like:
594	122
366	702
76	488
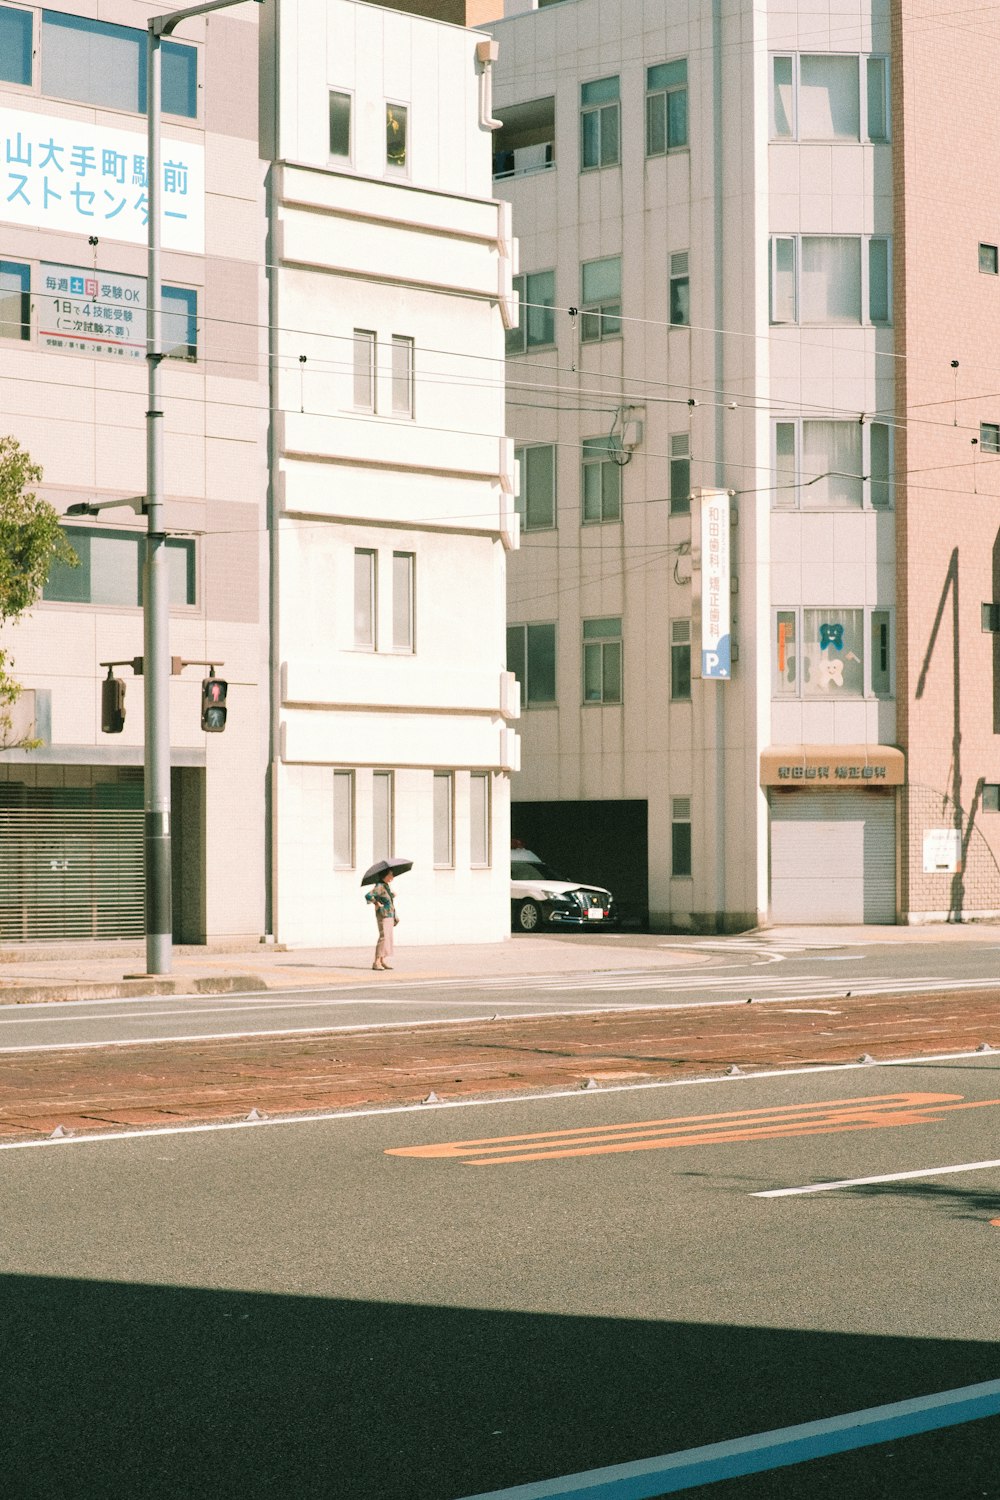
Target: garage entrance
605	843
833	857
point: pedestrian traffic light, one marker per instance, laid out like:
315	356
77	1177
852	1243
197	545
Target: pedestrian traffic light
213	703
112	704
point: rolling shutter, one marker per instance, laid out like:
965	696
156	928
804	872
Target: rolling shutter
833	857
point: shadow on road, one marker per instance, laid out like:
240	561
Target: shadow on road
129	1392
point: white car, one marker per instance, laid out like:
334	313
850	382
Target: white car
541	898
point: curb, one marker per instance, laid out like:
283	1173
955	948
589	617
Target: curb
125	989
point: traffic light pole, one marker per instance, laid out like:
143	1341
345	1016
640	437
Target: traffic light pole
156	596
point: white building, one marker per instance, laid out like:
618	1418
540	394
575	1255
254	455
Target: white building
392	481
73	392
704	198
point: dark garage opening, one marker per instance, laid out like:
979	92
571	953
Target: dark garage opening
605	843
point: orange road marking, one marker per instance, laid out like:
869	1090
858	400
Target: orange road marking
777	1123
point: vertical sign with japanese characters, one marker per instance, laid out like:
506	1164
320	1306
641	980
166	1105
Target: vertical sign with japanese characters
91	312
91	179
716	653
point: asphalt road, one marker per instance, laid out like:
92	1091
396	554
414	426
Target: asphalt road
718	969
415	1306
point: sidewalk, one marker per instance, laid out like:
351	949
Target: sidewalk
115	970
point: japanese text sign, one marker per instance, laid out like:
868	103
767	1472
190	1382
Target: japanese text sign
716	652
91	312
91	179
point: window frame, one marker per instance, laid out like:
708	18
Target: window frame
601	647
526	678
794	292
484	779
679	282
681	845
992	267
404	381
800	481
680	504
680	651
869	66
127	536
348	155
34	26
408	646
523	499
869	616
364	338
69	21
596	110
601	451
370	643
11	267
665	93
398	168
387	780
989	437
603	314
518	340
340	777
444	859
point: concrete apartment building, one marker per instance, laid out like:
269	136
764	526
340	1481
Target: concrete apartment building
756	280
392	490
73	392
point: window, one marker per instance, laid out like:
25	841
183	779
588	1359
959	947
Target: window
680	474
382	815
15	46
821	465
536	326
602	661
989	437
881	660
991	796
988	262
364	370
403	565
94	62
680	836
602	481
666	107
444	798
680	660
536	502
826	279
817	97
340	125
479	819
599	123
991	618
110	570
179	323
343	820
365	595
402	376
680	290
601	288
15	300
395	135
821	653
526	141
531	656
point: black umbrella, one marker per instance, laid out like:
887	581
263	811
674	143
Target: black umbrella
383	867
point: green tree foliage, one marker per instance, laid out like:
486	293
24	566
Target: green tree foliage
31	540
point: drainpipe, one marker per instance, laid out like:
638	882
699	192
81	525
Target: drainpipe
487	52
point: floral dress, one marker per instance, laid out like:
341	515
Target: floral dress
381	897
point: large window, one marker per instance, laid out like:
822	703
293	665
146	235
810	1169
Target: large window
536	327
602	481
827	465
365	595
15	45
340	125
343	820
444	819
821	653
829	96
479	819
110	570
531	656
403	567
599	123
827	279
602	661
15	300
666	107
680	836
680	660
601	297
536	501
97	63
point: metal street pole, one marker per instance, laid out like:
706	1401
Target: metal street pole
156	591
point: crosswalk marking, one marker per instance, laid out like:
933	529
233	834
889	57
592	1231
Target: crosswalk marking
754	985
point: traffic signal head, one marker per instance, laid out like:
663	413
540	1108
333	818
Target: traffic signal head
112	704
213	703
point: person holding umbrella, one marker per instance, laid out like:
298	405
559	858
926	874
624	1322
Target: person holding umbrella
380	877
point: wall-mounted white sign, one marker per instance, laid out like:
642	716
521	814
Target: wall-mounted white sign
716	644
942	851
91	180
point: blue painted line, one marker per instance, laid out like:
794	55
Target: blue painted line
652	1477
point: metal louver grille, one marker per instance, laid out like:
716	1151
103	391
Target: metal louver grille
71	867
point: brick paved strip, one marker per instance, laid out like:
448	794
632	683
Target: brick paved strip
185	1082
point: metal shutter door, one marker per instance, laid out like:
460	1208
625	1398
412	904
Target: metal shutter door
833	857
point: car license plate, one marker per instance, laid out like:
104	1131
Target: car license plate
595	914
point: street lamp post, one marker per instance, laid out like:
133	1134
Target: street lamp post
156	592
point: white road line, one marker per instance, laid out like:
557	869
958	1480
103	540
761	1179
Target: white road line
493	1101
850	1182
765	1451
